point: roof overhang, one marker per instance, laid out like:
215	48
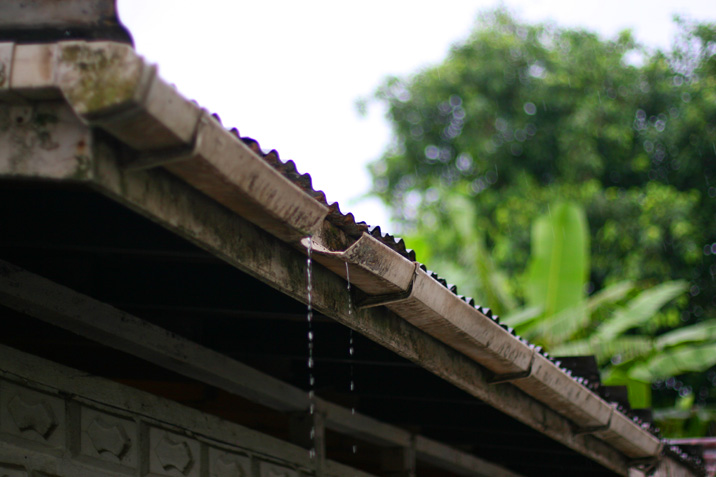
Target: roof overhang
77	86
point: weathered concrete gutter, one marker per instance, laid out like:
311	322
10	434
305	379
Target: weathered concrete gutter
109	86
430	306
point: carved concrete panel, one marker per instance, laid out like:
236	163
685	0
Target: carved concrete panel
108	438
268	469
93	428
172	454
227	464
32	415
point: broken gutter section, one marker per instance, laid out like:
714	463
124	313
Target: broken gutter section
372	266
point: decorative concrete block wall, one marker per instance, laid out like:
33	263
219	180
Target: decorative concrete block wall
56	422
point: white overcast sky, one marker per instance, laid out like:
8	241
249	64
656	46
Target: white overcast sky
288	72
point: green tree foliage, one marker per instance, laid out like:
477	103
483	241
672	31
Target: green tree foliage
519	117
625	343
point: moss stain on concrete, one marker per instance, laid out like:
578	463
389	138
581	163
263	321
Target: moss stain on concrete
104	79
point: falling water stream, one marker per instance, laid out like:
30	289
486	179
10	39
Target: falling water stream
351	348
311	338
309	319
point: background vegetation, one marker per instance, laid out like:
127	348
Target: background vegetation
532	144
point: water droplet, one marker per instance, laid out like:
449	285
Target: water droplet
355	448
348	287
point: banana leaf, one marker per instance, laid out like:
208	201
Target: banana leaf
626	347
700	332
522	317
559	259
611	294
672	362
640	309
559	328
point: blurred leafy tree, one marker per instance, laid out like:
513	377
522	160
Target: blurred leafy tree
518	117
619	325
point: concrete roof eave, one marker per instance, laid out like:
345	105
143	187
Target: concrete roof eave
109	86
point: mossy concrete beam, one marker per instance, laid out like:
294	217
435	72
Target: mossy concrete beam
44	140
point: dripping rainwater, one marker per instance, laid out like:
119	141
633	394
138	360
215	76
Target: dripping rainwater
351	348
309	319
